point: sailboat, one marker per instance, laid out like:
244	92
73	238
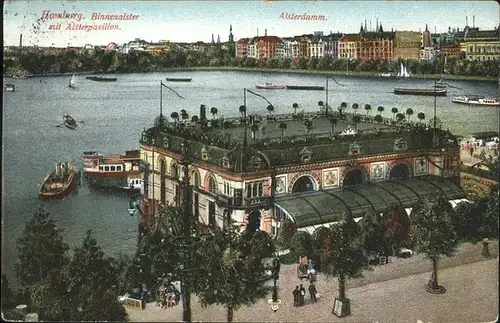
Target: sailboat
72	81
403	72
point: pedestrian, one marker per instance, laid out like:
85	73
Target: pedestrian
486	250
302	295
296	296
312	292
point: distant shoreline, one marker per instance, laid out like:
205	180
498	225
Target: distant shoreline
284	71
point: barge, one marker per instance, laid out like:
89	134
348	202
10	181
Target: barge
427	92
305	87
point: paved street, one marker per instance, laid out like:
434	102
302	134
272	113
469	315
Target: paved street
390	293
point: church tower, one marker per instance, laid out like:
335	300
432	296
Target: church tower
213	42
218	39
231	37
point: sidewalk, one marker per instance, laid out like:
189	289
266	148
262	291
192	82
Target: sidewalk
391	293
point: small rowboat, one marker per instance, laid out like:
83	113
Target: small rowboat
180	79
69	122
60	183
269	86
427	92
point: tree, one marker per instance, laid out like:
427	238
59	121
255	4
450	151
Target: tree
286	232
342	108
270	109
368	109
356	119
160	120
468	222
380	109
233	271
421	116
409	113
184	115
373	230
333	123
378	118
194	119
283	127
398	227
433	233
400	117
8	300
91	293
355	107
243	111
214	111
320	105
342	255
35	266
175	116
394	112
295	106
308	124
301	244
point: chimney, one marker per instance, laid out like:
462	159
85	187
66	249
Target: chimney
376	27
473	21
466	20
257	32
365	26
21	40
370	25
265	32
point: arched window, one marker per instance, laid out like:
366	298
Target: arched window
212	185
174	170
195	178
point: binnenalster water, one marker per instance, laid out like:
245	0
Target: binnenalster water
115	113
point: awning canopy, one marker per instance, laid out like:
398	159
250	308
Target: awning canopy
327	206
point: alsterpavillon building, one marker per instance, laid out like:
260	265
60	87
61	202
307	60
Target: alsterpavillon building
261	171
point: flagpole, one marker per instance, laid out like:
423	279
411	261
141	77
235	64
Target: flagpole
245	117
161	104
326	99
435	99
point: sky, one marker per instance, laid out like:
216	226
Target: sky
190	21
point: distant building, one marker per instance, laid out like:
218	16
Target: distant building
332	44
481	45
231	37
375	45
348	46
407	45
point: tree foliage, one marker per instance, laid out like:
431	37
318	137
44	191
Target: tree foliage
42	251
342	254
286	232
233	271
398	226
373	234
432	228
92	279
301	244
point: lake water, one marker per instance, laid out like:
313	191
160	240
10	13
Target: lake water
115	113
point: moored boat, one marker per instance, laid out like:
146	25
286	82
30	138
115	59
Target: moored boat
269	86
385	75
113	171
101	78
427	92
9	87
178	79
60	183
440	84
305	87
476	100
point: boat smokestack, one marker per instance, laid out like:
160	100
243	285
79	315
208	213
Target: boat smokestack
58	169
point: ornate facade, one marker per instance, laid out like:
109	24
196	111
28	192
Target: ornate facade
313	180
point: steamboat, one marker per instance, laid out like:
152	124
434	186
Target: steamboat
113	171
59	183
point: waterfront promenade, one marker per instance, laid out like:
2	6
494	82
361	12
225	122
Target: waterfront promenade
391	293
